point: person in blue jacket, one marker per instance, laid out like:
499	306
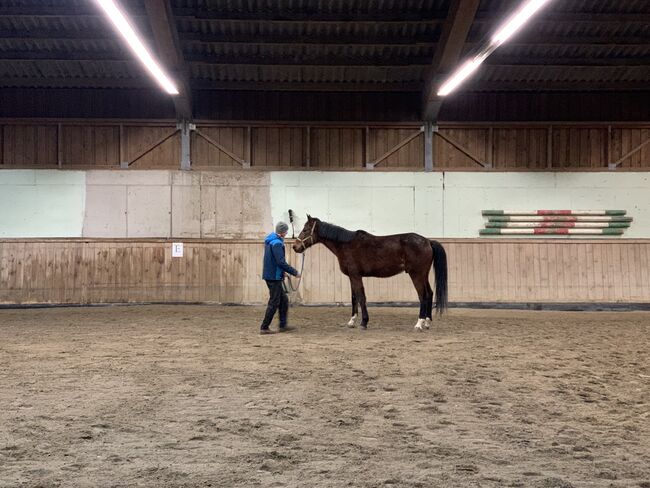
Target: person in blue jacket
275	265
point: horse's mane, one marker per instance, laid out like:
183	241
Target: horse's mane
335	233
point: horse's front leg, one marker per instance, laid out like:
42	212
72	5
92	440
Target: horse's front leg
360	295
354	307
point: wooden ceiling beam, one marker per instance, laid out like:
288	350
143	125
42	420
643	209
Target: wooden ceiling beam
448	51
165	35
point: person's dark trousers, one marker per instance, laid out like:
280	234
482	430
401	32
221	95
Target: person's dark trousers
277	300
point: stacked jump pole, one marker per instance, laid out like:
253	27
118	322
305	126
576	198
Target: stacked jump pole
555	222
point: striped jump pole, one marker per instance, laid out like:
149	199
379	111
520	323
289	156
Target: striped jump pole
551	231
565	225
489	213
559	218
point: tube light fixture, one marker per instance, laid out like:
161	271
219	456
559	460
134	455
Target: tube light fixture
514	23
503	33
460	74
123	26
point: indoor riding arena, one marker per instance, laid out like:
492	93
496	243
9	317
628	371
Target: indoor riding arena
318	243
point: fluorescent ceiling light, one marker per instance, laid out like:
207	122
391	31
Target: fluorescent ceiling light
121	23
512	25
460	74
519	18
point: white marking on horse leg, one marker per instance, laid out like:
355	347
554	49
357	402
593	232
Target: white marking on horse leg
427	323
351	322
418	325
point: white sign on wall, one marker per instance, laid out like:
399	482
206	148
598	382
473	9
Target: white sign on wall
177	249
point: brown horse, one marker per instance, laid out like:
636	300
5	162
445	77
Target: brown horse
362	254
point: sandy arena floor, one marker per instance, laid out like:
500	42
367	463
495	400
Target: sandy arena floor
171	396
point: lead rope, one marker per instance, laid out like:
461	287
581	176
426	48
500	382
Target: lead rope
288	285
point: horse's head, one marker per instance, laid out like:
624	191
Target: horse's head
308	236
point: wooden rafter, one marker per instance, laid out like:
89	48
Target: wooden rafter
450	47
169	52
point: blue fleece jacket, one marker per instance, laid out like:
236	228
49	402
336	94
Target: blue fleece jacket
275	265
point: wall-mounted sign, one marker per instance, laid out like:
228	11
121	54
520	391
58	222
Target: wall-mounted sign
177	249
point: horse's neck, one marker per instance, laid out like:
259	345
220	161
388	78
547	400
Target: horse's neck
333	246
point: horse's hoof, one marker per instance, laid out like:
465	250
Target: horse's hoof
363	327
427	324
418	328
351	325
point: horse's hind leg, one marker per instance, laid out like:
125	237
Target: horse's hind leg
354	307
360	295
429	304
419	281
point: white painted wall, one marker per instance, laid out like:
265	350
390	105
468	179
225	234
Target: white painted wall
466	194
380	203
233	204
45	203
449	204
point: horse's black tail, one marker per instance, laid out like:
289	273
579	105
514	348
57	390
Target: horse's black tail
440	273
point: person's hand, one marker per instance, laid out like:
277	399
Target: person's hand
297	275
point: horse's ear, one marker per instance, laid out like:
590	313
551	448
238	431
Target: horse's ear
308	217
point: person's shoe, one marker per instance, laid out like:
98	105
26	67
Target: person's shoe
287	328
266	331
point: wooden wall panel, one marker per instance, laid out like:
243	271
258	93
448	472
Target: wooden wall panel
519	148
506	146
140	138
337	148
409	156
205	155
480	270
29	146
475	141
90	145
579	148
626	140
278	147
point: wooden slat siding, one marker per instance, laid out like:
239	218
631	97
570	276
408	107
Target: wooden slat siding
474	140
339	148
139	138
90	146
205	155
409	156
277	147
75	271
520	148
30	146
625	140
517	146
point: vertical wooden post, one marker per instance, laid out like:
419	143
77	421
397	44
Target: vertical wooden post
428	146
308	147
249	147
608	144
59	149
366	146
120	143
490	147
549	147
